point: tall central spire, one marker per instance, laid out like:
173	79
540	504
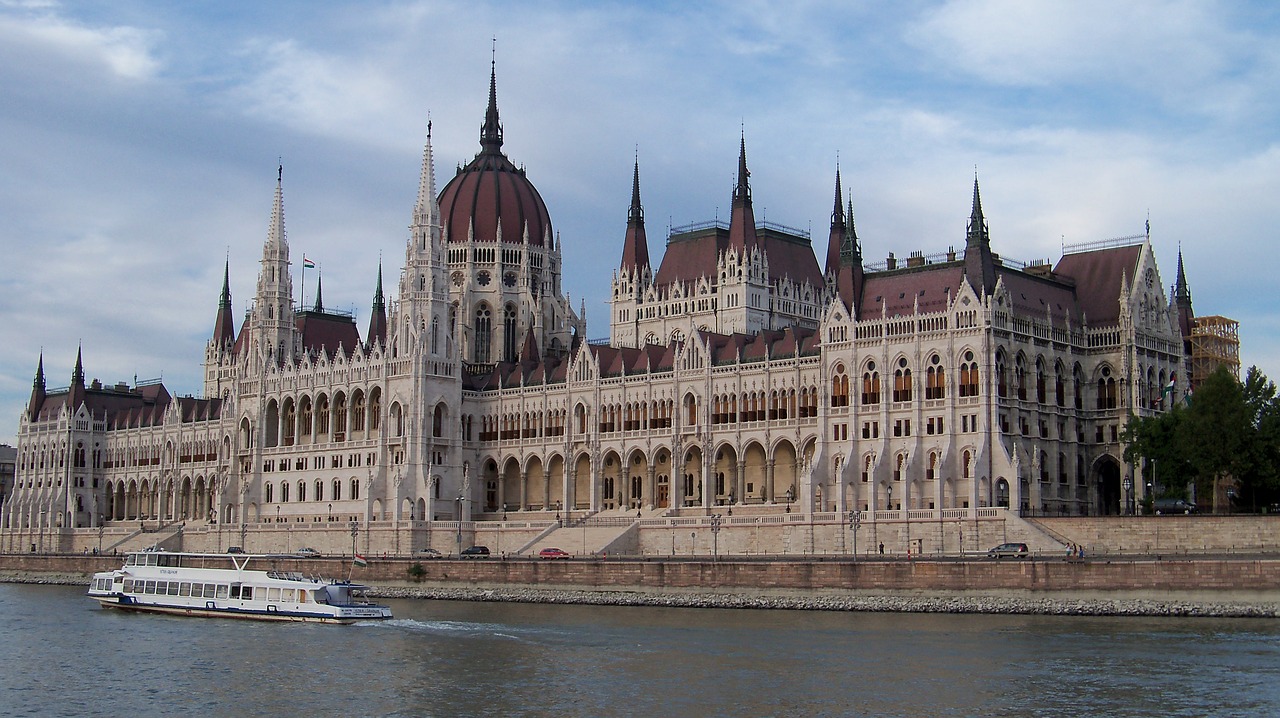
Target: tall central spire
979	264
635	247
491	131
742	219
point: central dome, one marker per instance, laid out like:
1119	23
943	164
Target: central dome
491	192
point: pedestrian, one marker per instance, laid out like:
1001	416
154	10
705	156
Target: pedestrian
882	548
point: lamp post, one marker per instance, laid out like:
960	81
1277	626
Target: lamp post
855	521
43	514
355	531
458	512
889	501
1128	495
715	537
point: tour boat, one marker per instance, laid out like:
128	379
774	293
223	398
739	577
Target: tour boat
225	585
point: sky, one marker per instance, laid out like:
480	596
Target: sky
139	144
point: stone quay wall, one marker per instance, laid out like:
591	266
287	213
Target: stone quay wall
1204	579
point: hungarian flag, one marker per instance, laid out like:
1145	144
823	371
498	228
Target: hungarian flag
1166	396
360	561
307	263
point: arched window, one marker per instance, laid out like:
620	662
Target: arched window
269	490
1020	376
1002	375
319	490
355	489
435	335
839	387
509	337
902	381
968	375
935	379
1059	391
302	490
484	334
337	490
870	384
284	492
357	410
1040	380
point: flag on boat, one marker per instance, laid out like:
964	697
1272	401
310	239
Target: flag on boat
360	561
307	263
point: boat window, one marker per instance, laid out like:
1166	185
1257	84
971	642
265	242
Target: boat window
222	590
235	591
150	587
247	593
273	594
173	588
209	589
185	590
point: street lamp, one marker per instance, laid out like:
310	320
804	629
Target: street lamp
355	531
1128	495
715	536
458	503
889	492
855	521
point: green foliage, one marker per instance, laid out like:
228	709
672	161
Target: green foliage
1230	430
416	572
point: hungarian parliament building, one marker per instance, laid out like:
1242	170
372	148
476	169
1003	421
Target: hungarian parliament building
744	372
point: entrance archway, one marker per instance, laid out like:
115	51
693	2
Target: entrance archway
1107	475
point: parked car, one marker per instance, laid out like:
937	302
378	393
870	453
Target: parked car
1174	506
476	552
234	549
553	553
307	553
428	553
1009	550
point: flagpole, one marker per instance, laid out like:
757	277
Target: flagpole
302	300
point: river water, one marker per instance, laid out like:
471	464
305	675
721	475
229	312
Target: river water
64	656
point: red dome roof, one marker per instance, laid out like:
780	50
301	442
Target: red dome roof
491	190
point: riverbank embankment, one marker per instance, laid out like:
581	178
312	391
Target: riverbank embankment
1184	587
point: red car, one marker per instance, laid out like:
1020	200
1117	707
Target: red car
550	553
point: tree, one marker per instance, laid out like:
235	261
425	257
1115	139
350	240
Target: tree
1217	434
1229	434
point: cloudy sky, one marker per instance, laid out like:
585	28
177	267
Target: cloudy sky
139	144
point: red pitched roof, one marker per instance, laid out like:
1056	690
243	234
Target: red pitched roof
1098	276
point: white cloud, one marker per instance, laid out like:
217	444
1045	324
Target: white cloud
124	51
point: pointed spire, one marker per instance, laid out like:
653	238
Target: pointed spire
742	218
743	190
635	247
836	239
319	306
378	317
851	252
424	210
1182	300
77	375
275	232
979	265
224	327
491	130
75	397
37	391
529	349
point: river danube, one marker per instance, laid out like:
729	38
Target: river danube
64	656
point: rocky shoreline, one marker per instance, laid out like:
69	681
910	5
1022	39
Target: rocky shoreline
1013	605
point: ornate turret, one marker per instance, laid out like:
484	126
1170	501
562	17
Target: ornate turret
491	130
635	248
75	397
224	329
1182	300
319	305
272	317
836	239
979	266
742	220
37	392
378	317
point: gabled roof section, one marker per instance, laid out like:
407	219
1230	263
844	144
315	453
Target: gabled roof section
1099	275
903	292
326	331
